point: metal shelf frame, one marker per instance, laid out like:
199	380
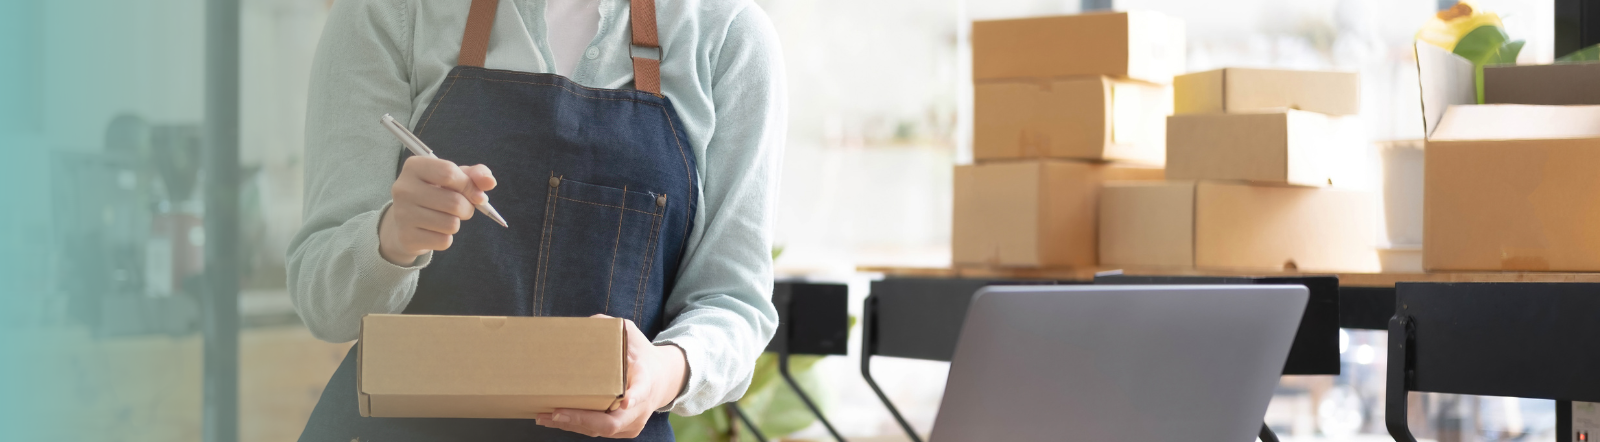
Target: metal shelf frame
1526	340
813	319
920	318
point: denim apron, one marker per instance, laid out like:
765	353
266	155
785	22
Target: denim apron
599	188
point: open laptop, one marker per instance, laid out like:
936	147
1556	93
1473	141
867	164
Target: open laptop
1118	363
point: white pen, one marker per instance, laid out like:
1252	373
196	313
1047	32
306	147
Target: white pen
417	148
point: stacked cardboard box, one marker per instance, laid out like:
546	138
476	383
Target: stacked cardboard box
1254	157
1510	186
1062	104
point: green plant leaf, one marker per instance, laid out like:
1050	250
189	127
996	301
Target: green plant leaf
1482	44
1487	45
1591	53
710	426
1508	52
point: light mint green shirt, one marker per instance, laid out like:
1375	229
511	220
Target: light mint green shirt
721	67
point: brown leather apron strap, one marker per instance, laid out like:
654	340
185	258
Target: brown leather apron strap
646	71
475	41
642	18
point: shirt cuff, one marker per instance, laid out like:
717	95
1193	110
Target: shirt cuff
692	379
371	259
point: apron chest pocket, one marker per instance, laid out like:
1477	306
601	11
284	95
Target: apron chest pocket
598	249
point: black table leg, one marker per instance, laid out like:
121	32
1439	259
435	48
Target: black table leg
783	369
869	347
1398	379
747	422
1266	434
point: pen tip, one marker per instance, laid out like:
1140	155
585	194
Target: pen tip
493	214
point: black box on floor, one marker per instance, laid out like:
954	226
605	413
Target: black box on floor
813	318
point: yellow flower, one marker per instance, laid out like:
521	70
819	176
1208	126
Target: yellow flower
1448	26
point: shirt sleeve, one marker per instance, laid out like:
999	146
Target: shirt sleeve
360	72
721	307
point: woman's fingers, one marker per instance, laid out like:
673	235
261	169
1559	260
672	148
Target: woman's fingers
627	421
437	172
621	423
482	181
421	240
430	220
431	197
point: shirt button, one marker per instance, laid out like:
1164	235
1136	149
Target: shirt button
592	53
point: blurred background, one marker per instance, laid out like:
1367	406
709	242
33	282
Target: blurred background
101	120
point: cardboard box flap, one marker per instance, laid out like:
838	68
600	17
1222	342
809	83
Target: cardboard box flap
1446	80
1562	83
1517	122
442	356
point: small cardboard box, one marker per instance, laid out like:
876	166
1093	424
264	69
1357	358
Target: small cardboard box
488	366
1284	147
1551	84
1092	118
1031	213
1234	226
1507	187
1141	45
1253	90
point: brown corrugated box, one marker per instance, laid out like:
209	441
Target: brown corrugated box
1094	118
1513	187
1234	226
1141	45
1031	213
1507	187
488	366
1551	84
1253	90
1283	147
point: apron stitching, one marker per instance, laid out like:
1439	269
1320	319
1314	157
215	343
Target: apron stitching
688	215
611	275
650	257
670	125
677	142
438	103
608	205
544	248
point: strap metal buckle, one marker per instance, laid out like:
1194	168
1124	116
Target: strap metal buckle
649	52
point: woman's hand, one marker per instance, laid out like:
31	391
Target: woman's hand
431	198
656	374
